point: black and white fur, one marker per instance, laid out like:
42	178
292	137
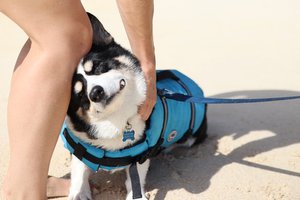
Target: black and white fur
107	89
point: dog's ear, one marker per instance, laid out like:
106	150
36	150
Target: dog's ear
100	36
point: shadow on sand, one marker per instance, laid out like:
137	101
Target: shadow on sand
177	169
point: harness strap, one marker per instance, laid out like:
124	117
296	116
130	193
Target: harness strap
81	152
204	100
135	182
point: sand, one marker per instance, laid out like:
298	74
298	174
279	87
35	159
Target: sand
231	49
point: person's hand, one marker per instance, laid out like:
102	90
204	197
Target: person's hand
146	108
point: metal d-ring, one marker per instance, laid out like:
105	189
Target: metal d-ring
172	135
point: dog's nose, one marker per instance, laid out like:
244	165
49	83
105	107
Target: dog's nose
97	94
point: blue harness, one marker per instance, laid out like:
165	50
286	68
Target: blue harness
171	121
180	111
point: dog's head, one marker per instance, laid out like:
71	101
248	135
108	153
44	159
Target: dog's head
108	80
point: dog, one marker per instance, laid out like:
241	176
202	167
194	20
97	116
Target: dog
107	89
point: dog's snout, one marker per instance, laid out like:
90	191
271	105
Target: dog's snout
97	93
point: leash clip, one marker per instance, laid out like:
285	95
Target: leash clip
163	92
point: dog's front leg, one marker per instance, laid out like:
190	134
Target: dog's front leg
142	170
80	187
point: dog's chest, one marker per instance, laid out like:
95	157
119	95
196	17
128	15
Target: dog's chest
110	133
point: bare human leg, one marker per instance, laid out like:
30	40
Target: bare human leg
23	54
60	35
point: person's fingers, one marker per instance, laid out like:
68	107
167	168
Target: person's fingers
146	108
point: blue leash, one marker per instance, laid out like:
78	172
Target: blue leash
193	99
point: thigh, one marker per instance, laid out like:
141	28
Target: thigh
45	21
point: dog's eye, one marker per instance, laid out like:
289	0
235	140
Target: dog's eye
122	84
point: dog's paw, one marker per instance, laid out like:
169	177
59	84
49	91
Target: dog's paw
80	195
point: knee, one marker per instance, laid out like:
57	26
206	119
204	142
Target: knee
59	50
75	40
70	43
81	39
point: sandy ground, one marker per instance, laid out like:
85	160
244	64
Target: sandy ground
232	49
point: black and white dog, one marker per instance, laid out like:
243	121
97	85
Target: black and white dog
108	88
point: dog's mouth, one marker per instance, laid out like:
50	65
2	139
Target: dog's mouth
100	106
99	94
102	97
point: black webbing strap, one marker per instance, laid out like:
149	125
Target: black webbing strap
81	152
166	74
135	182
